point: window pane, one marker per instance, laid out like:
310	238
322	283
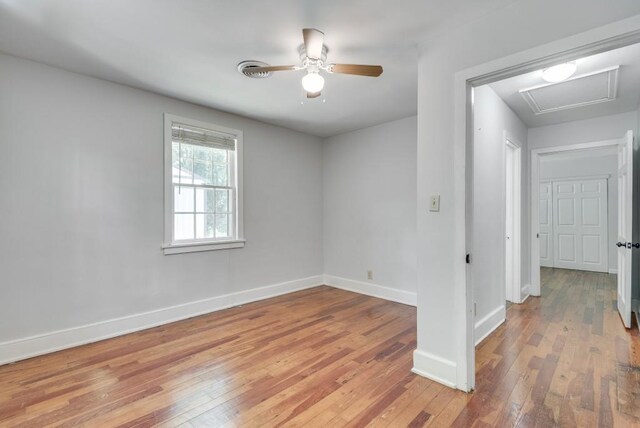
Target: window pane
194	164
186	163
202	172
204	226
202	153
222	226
222	200
185	174
206	174
205	200
183	226
219	155
183	198
220	174
175	159
182	163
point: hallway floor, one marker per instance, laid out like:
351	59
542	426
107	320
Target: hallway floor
562	359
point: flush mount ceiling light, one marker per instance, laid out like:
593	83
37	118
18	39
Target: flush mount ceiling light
313	56
559	72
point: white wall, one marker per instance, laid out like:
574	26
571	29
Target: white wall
582	131
500	36
557	167
491	117
82	204
370	208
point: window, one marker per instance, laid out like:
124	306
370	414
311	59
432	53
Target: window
203	186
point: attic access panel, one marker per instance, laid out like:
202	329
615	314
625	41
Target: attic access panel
593	88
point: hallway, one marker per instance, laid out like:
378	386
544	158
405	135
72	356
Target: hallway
560	359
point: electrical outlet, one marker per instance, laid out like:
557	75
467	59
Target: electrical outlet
370	274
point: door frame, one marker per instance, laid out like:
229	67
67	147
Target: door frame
511	143
608	37
534	191
550	237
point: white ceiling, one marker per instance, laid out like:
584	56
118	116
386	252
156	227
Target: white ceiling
189	49
628	96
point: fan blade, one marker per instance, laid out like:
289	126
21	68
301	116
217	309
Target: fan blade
358	70
313	41
313	94
270	68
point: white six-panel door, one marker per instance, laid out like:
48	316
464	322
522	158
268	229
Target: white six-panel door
546	224
580	224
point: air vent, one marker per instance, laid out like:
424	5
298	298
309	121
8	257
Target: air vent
588	89
245	68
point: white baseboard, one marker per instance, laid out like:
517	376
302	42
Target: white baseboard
32	346
374	290
488	324
525	293
613	271
435	368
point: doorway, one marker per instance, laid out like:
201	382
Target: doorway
560	217
467	131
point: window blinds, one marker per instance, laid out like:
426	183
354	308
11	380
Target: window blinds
203	137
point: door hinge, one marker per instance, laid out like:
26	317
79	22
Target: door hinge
468	258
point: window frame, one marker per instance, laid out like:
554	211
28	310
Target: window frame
170	246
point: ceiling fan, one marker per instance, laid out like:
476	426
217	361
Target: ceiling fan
313	55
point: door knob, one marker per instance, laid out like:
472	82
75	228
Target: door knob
636	245
621	244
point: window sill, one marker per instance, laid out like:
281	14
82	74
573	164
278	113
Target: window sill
204	246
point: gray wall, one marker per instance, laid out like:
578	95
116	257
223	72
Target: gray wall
370	204
82	204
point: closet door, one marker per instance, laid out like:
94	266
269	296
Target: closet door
580	224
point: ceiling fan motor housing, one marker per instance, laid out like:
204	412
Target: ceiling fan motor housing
302	51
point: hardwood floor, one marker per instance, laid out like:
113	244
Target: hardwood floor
563	359
326	357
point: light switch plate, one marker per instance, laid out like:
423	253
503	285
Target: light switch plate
435	203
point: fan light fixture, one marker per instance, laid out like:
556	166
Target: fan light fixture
559	72
312	82
313	56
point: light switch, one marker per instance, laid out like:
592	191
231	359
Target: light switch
435	203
